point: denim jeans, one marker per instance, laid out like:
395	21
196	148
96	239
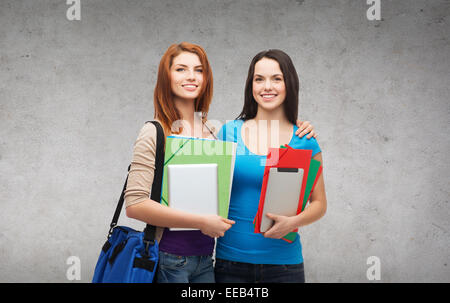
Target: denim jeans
184	269
237	272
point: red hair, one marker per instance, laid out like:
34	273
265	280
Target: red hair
165	110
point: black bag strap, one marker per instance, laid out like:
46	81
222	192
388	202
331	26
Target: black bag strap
150	230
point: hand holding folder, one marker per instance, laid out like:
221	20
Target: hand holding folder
293	160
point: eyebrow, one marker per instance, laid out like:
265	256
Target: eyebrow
183	65
275	75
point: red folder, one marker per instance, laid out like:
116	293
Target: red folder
284	158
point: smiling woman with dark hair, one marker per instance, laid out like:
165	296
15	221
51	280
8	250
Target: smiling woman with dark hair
290	103
269	114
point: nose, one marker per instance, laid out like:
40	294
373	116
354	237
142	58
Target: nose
190	75
268	85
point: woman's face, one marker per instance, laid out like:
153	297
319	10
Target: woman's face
269	88
186	75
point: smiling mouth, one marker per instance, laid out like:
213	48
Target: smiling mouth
190	87
268	97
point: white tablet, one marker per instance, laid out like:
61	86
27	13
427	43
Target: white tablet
282	194
193	188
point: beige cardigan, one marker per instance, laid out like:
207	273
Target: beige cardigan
140	176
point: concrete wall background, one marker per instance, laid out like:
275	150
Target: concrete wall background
73	95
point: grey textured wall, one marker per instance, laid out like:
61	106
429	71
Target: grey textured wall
73	95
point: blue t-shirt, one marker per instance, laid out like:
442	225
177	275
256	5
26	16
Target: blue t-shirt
240	243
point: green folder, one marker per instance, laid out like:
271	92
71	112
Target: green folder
184	150
313	170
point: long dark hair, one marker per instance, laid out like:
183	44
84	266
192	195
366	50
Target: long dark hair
290	76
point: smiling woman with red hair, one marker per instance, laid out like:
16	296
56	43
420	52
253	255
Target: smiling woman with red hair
166	110
184	86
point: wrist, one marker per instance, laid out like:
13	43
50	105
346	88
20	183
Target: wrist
199	222
297	221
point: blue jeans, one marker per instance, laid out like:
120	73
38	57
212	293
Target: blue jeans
237	272
184	269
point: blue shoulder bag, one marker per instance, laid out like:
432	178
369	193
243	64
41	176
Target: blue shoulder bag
130	256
